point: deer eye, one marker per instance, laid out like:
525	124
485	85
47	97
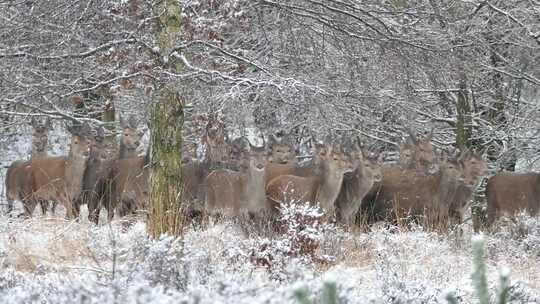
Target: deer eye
126	134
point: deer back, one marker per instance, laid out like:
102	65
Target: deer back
509	193
323	187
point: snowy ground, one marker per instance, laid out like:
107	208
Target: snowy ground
49	260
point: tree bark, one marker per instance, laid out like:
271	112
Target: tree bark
167	119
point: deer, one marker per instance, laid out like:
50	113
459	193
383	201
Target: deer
234	193
131	185
130	140
215	141
357	184
15	175
281	159
59	178
99	178
509	193
417	153
323	187
194	174
405	193
474	169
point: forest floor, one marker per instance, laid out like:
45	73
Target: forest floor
49	260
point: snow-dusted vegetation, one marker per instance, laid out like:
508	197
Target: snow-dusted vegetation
49	260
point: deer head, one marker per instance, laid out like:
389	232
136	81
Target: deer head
40	135
474	168
281	151
131	136
81	140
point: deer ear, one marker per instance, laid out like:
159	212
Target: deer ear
272	140
430	135
48	123
412	139
100	134
380	159
33	122
72	129
132	121
121	121
321	149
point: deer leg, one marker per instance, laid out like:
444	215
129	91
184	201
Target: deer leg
44	206
53	207
93	210
72	208
29	206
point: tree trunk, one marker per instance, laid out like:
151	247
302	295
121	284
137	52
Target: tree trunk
167	119
464	123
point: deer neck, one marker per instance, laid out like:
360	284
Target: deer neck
254	187
447	186
125	152
74	173
329	185
38	154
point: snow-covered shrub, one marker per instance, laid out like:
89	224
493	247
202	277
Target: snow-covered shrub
517	236
160	263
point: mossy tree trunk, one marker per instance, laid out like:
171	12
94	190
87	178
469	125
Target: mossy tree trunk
463	123
167	119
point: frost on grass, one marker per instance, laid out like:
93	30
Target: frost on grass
54	261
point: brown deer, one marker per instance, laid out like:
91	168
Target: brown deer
417	153
97	177
100	175
322	188
474	168
131	185
404	193
214	140
509	193
357	184
59	178
231	192
130	140
15	175
281	159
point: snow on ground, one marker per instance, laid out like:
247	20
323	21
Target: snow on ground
50	260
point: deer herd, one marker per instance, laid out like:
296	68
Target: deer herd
236	178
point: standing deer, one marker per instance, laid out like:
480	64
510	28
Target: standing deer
417	153
16	176
474	169
232	192
59	178
99	179
357	184
416	157
130	140
97	183
215	141
194	175
404	193
281	160
322	188
131	185
509	193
